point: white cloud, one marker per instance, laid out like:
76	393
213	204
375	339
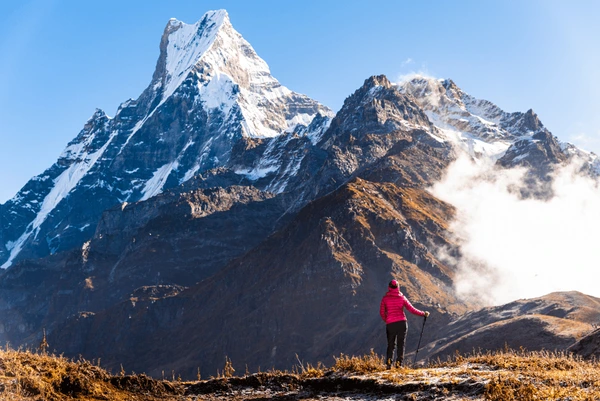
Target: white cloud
407	62
521	248
419	72
402	78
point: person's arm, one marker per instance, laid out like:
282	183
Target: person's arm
412	309
382	311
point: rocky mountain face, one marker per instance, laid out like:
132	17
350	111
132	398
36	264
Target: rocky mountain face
221	214
175	240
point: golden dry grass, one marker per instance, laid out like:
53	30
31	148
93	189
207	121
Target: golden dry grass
26	375
541	375
492	376
502	375
364	364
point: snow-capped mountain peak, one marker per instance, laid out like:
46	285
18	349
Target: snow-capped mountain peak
485	131
228	73
477	126
450	107
209	90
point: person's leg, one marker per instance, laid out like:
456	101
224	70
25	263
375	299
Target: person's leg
401	342
391	340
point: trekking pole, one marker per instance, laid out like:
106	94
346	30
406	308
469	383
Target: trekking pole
420	337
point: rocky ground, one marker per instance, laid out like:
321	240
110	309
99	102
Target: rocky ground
505	375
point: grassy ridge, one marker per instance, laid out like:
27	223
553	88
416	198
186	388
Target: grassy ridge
25	375
505	375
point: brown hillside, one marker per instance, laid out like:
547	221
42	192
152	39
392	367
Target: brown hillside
552	322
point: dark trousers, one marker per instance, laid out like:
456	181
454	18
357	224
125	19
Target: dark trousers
396	337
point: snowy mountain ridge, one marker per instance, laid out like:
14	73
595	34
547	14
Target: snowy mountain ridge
481	128
477	126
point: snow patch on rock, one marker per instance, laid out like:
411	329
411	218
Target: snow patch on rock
63	185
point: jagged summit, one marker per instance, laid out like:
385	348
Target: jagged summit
181	47
230	76
378	80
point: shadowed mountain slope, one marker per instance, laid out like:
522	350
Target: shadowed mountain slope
311	289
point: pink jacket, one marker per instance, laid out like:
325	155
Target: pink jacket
392	307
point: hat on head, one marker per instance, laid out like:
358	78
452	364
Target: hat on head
393	284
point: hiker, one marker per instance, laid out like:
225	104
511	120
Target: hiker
392	313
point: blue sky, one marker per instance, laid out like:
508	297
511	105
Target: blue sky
63	58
